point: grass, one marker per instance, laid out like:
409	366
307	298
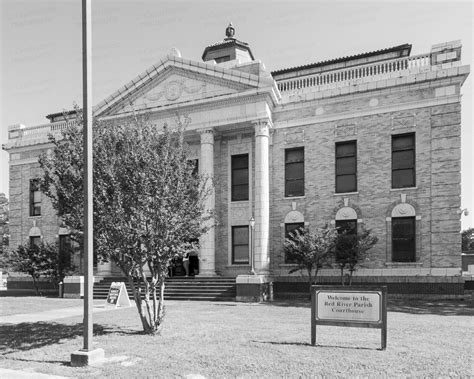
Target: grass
17	305
250	340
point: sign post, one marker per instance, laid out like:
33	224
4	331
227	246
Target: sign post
360	307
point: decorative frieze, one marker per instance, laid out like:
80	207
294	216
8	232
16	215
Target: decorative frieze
373	102
403	122
445	91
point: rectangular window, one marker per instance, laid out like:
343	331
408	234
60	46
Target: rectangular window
403	161
240	244
294	172
64	252
35	198
347	226
403	239
240	177
346	167
36	240
288	229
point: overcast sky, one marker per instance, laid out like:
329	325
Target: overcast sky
41	47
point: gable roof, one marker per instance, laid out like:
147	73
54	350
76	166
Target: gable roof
208	69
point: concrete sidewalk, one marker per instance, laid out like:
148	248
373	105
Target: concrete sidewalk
15	374
54	314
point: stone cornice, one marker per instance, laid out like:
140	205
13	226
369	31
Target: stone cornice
388	81
19	162
247	97
27	145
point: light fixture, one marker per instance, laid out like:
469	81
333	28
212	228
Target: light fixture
465	211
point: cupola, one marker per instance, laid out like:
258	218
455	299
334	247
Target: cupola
230	49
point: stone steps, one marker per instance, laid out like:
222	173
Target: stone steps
181	288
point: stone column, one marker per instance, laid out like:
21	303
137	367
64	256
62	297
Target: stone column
207	258
262	197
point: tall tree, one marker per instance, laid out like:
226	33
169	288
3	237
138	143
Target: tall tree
148	204
352	250
310	249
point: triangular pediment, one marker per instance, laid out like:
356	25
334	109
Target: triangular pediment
176	81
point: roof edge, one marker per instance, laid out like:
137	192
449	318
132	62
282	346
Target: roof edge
400	48
57	114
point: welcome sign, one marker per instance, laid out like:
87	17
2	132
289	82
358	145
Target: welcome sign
363	307
349	306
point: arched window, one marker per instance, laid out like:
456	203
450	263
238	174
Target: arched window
346	220
293	220
403	233
35	236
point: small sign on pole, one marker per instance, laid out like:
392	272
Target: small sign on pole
118	295
360	307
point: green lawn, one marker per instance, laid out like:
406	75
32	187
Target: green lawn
219	340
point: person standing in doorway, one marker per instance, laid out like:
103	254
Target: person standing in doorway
186	263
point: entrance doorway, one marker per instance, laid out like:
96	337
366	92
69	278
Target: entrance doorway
177	268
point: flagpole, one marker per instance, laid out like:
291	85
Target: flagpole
87	144
87	355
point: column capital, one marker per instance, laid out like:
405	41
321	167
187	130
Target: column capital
207	135
262	127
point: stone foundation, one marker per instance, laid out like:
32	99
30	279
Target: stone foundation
254	288
412	287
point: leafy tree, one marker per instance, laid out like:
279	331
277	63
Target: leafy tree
311	249
352	251
3	223
148	205
39	261
467	237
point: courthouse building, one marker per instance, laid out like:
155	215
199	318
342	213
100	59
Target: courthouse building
366	141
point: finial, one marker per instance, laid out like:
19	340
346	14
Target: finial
230	31
175	52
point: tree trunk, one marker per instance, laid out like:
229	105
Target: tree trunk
310	279
342	274
148	307
138	302
161	305
35	284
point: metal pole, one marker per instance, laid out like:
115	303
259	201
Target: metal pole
87	144
252	252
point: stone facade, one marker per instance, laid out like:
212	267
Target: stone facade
238	107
